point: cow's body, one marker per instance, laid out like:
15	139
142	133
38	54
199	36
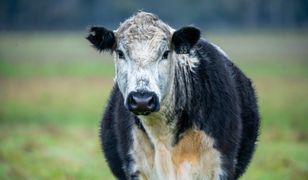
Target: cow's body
180	109
213	138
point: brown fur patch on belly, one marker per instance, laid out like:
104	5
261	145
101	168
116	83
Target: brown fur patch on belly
196	149
188	148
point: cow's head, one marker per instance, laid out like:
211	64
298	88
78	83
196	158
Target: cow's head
145	50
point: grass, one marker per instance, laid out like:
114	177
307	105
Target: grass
54	86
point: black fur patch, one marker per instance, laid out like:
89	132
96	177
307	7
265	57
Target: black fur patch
102	38
184	39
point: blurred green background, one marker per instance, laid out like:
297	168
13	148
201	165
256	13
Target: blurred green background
54	87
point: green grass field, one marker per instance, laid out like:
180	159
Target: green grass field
54	86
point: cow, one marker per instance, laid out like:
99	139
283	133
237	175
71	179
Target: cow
179	108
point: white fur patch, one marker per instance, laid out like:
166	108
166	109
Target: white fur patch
190	61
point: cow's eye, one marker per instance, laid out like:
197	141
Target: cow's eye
120	54
165	55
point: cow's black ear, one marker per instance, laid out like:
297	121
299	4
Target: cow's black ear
184	39
102	38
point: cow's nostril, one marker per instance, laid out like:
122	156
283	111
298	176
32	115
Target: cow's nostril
132	101
151	103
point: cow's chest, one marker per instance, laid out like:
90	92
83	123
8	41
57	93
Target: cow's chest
193	157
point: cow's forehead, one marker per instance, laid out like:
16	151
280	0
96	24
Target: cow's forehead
147	50
143	27
136	34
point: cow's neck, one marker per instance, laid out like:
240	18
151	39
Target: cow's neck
159	129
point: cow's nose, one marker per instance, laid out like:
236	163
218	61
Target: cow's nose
142	103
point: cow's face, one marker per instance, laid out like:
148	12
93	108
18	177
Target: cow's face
143	69
144	60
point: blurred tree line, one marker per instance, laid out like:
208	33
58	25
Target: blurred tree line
208	14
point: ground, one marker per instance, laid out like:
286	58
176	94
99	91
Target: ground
54	86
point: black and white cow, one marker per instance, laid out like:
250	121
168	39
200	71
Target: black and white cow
180	109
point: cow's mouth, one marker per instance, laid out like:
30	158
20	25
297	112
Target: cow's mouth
142	113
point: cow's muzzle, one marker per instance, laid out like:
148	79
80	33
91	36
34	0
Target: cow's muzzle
142	103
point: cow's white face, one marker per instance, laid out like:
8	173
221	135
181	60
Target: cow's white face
144	65
144	50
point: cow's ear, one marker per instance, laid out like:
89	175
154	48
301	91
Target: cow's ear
184	39
102	38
